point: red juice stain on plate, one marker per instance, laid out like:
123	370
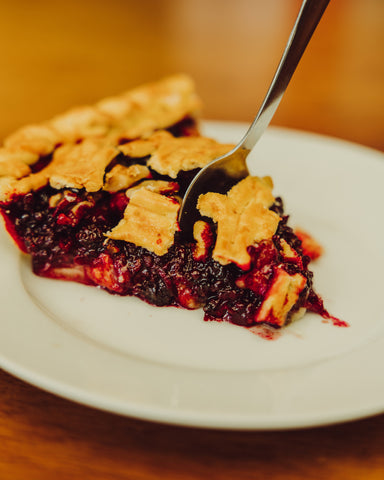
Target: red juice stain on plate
265	332
315	305
336	322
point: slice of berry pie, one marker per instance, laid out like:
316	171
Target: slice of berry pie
93	197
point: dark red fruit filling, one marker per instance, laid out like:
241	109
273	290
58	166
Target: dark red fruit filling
64	233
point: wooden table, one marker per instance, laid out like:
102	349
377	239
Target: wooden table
45	437
56	55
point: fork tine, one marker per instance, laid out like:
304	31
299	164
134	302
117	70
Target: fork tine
221	174
218	176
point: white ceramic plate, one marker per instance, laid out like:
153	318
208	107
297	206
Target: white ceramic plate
168	365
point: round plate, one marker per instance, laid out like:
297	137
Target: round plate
166	364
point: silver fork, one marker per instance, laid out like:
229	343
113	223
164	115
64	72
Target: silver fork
224	172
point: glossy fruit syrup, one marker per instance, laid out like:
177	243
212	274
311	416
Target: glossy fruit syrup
64	232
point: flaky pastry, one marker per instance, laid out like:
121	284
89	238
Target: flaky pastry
93	196
150	221
243	218
121	177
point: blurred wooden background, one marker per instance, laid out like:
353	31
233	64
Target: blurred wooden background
55	54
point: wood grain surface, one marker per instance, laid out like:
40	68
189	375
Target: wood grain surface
44	437
57	54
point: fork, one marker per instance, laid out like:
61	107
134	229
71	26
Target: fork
225	171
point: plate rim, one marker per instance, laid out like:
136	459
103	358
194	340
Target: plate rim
201	419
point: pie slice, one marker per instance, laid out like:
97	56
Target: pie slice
93	196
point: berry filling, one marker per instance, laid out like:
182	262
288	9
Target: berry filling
93	196
64	232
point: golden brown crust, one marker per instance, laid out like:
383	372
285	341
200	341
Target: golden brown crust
14	163
150	221
79	123
282	296
144	147
154	106
121	177
81	165
140	111
185	153
169	155
84	149
10	186
85	140
287	251
37	139
10	155
134	114
243	218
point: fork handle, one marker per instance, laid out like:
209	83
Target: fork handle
309	16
